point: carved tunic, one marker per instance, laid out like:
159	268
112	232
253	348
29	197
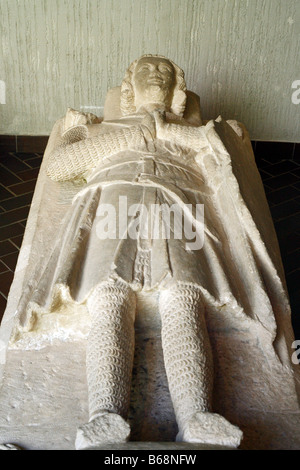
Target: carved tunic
166	175
147	172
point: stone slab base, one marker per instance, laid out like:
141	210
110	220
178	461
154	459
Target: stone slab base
44	394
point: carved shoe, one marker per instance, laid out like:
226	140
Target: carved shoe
210	428
107	428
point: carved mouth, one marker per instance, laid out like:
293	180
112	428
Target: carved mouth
155	81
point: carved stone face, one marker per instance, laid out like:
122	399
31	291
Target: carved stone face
154	81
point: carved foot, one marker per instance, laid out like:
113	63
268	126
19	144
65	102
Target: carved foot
107	428
210	428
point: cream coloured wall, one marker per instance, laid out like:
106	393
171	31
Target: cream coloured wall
241	56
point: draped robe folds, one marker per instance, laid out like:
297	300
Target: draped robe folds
238	265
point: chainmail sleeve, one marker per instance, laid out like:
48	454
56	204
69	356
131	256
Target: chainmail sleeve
71	160
185	136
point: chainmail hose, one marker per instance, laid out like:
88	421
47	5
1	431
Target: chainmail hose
110	348
187	351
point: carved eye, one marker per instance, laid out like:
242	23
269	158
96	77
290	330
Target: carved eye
143	68
165	68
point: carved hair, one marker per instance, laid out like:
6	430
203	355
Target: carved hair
127	91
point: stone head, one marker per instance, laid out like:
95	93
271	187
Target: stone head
151	82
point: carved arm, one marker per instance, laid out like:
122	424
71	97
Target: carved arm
69	161
186	136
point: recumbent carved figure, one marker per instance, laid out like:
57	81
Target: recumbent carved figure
152	156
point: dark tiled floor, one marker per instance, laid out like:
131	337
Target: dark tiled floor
18	173
279	165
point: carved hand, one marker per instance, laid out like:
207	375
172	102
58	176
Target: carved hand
76	118
148	127
75	125
160	123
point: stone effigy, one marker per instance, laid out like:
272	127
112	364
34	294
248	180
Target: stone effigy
150	258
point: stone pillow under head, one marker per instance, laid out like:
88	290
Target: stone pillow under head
112	107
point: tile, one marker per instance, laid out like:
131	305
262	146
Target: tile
295	305
296	156
296	172
34	162
29	174
32	144
274	151
11	231
6	247
10	260
253	144
290	243
7	143
5	282
7	177
2	306
288	225
284	194
4	193
23	188
282	167
285	179
17	241
17	201
263	164
264	175
297	185
3	267
14	215
12	163
267	190
25	155
293	284
285	209
292	262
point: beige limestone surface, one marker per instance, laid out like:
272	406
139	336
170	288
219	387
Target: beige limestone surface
243	345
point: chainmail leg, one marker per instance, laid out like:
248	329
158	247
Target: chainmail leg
187	351
110	348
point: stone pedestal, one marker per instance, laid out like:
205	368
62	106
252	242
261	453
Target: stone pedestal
43	393
44	397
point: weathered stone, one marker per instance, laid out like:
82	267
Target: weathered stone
167	335
108	428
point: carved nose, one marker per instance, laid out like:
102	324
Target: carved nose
155	74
